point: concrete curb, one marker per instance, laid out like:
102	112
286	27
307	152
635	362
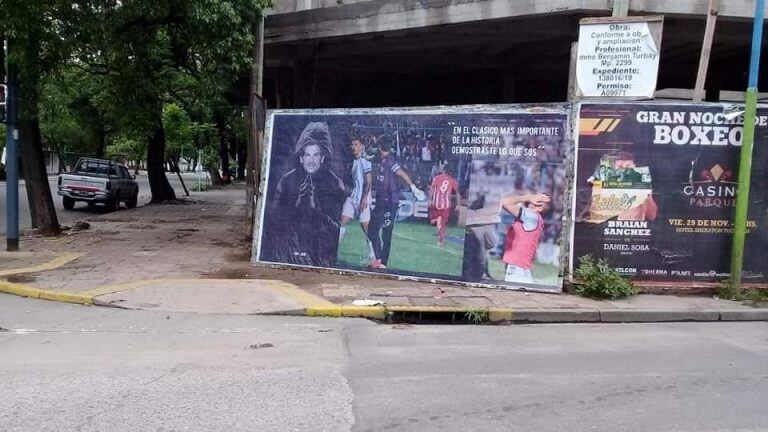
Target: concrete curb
39	293
315	306
556	316
522	316
658	315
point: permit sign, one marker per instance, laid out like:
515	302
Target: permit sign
618	57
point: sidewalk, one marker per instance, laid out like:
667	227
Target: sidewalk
194	257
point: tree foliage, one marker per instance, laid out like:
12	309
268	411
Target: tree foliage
37	48
102	75
74	113
126	148
151	53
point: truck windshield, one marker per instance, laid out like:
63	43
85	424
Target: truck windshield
96	168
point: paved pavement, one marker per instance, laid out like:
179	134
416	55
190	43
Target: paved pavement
78	368
193	256
81	210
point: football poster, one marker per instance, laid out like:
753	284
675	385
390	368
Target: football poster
656	187
463	194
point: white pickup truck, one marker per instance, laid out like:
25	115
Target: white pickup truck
98	181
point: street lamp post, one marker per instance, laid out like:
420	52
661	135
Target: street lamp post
745	160
11	156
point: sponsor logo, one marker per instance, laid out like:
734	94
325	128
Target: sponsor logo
714	188
613	202
596	126
711	274
626	270
654	272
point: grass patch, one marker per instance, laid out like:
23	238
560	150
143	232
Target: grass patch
476	316
728	291
597	279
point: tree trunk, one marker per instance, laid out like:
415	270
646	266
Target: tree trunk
41	207
102	135
173	164
215	177
242	158
223	149
136	168
158	182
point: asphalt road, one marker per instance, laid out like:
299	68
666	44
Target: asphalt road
66	367
81	210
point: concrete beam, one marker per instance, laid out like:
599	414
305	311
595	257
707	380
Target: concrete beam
295	20
521	33
737	9
391	15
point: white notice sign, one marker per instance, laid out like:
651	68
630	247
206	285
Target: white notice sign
618	59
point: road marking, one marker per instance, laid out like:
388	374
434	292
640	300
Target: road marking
50	265
306	299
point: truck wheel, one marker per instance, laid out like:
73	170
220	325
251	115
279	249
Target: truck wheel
68	202
113	204
133	200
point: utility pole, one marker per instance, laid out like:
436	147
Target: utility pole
256	129
572	72
11	155
745	160
620	8
706	50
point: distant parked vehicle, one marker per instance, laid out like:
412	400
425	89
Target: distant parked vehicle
99	181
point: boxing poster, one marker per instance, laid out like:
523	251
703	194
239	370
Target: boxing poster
462	194
656	187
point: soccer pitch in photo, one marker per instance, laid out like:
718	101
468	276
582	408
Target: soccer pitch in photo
414	249
543	274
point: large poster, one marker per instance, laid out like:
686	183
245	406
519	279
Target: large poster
656	187
472	195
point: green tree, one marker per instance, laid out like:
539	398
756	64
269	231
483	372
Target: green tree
64	125
153	52
31	28
179	133
203	138
91	106
128	149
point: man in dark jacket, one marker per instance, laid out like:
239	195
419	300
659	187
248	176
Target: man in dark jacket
305	210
